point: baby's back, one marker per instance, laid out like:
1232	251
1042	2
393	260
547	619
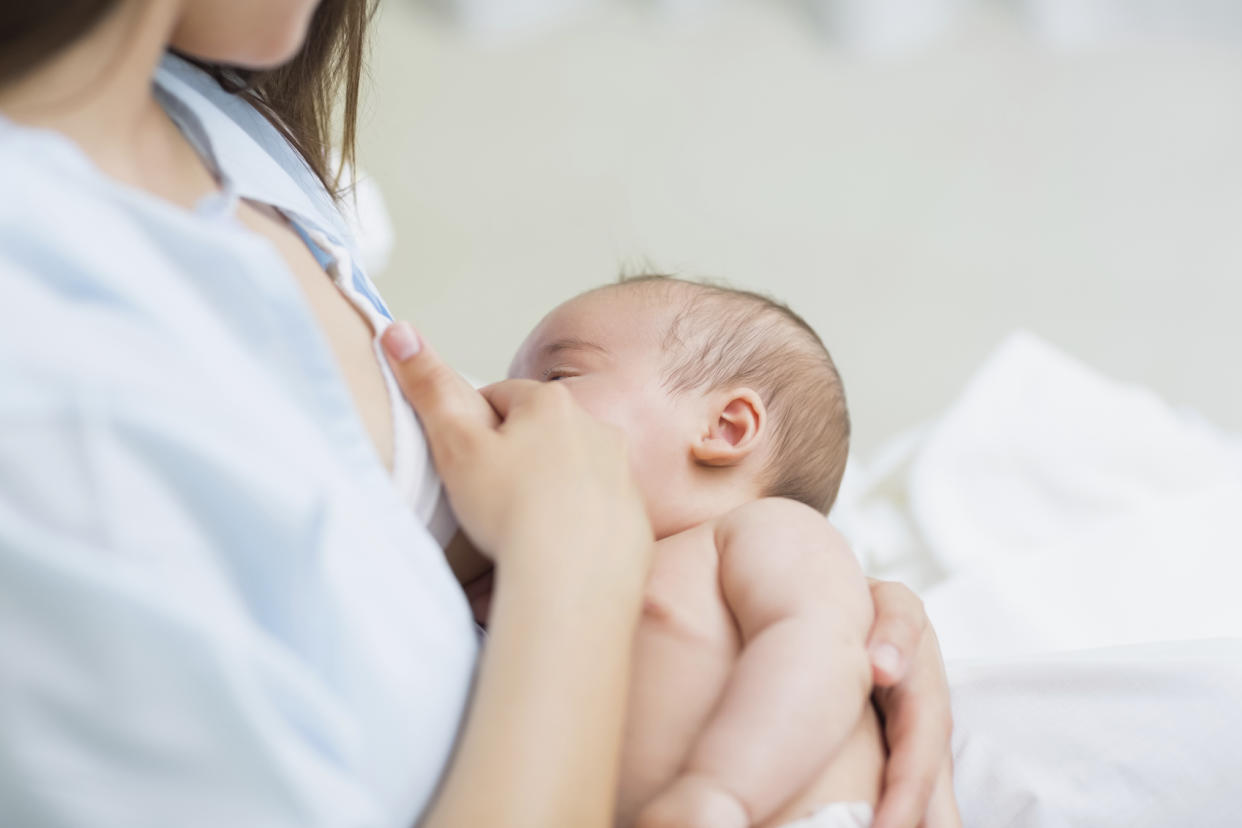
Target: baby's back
687	646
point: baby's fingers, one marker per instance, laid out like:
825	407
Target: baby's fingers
455	417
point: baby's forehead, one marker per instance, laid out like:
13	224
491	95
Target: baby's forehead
616	319
614	311
631	297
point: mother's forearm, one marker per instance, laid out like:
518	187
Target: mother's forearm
541	743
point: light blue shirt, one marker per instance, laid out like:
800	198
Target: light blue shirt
215	609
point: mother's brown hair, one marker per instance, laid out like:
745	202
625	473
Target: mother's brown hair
299	98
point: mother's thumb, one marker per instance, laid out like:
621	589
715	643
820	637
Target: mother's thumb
441	397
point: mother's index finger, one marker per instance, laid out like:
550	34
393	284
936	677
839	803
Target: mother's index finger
447	404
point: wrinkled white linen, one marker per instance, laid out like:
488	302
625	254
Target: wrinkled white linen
1052	508
1059	525
1128	737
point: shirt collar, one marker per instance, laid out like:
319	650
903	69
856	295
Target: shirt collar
249	155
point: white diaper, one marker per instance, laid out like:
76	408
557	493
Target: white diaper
837	815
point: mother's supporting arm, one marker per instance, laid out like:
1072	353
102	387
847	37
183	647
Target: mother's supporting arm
912	695
545	490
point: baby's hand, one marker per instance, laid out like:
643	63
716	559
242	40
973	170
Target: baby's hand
694	801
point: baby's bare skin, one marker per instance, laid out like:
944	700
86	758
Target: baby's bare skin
687	651
749	699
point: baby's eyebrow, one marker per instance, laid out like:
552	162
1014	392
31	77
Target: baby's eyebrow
572	343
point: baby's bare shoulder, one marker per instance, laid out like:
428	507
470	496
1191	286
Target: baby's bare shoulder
774	522
780	558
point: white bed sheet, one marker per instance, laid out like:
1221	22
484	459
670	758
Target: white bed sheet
1078	545
1127	737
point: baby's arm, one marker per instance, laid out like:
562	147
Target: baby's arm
801	681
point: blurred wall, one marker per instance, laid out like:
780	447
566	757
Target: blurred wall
914	209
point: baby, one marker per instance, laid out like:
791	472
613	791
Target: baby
749	702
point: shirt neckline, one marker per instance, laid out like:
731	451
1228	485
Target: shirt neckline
66	151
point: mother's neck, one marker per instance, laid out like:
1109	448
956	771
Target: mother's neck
98	92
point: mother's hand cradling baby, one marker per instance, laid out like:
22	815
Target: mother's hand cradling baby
912	693
519	457
545	490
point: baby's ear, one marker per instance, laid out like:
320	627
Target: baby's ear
737	419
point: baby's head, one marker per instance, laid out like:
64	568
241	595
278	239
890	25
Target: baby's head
725	396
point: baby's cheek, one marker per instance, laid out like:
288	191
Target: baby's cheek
600	402
592	402
637	419
653	459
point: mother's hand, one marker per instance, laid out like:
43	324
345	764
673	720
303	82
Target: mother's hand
912	694
546	490
521	462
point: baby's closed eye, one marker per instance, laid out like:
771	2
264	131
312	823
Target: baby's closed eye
556	374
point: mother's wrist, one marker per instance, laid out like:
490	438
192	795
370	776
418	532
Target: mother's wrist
610	566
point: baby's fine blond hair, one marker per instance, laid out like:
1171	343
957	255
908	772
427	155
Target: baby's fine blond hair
721	337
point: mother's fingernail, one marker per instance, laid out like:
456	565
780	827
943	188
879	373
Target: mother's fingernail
401	342
886	658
